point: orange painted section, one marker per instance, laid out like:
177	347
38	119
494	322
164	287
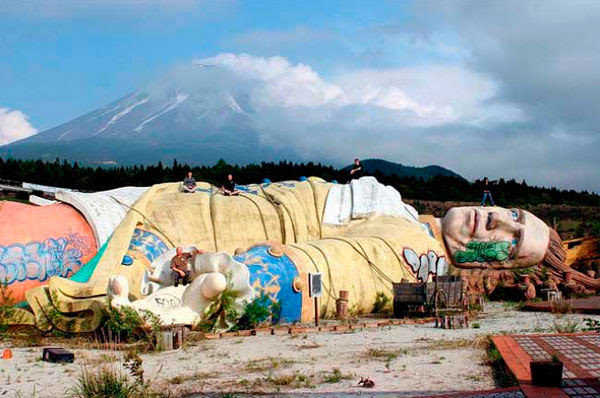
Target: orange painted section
37	242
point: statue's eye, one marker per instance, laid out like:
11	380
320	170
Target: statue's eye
515	215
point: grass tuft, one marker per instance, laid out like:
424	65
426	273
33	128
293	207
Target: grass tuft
106	381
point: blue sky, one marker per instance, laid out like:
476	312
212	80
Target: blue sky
61	59
499	88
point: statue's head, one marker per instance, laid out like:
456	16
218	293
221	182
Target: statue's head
498	238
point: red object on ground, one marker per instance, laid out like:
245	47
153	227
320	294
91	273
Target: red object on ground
7	354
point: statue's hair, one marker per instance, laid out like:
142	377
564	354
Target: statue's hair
555	254
555	261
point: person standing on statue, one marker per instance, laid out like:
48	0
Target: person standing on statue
487	192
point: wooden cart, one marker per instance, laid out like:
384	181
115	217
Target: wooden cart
443	292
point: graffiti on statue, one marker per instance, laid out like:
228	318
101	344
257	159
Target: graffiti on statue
40	260
483	252
425	264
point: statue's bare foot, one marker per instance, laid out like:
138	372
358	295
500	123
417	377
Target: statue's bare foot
118	291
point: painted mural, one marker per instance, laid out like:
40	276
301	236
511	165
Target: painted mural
274	277
39	242
147	244
38	261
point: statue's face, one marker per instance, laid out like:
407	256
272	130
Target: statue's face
494	237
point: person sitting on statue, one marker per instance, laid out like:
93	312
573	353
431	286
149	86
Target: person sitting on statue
357	170
179	267
228	188
189	183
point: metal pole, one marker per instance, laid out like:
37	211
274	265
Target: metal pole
316	311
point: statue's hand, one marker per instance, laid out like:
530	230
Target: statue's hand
213	284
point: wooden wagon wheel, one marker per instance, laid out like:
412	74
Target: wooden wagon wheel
439	299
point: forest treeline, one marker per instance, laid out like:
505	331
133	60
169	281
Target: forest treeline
438	188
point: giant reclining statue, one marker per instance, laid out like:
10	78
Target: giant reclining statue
360	237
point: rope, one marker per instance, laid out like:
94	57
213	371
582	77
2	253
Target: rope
326	262
374	267
146	219
391	248
262	218
363	255
212	220
291	221
314	196
329	294
279	213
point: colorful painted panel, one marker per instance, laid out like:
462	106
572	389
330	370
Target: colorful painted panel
147	244
37	242
274	276
41	260
247	189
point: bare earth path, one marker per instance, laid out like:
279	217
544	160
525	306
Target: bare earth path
401	360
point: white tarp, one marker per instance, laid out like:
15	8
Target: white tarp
45	188
362	198
105	210
39	201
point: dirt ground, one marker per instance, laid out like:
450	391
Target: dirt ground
403	361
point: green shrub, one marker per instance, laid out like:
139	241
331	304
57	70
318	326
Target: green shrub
381	304
591	325
503	377
220	312
595	225
566	326
6	308
260	310
104	382
125	324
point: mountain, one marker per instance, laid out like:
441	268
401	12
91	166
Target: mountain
194	128
146	128
389	168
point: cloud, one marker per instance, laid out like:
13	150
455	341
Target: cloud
419	96
543	54
397	113
543	57
14	126
453	115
